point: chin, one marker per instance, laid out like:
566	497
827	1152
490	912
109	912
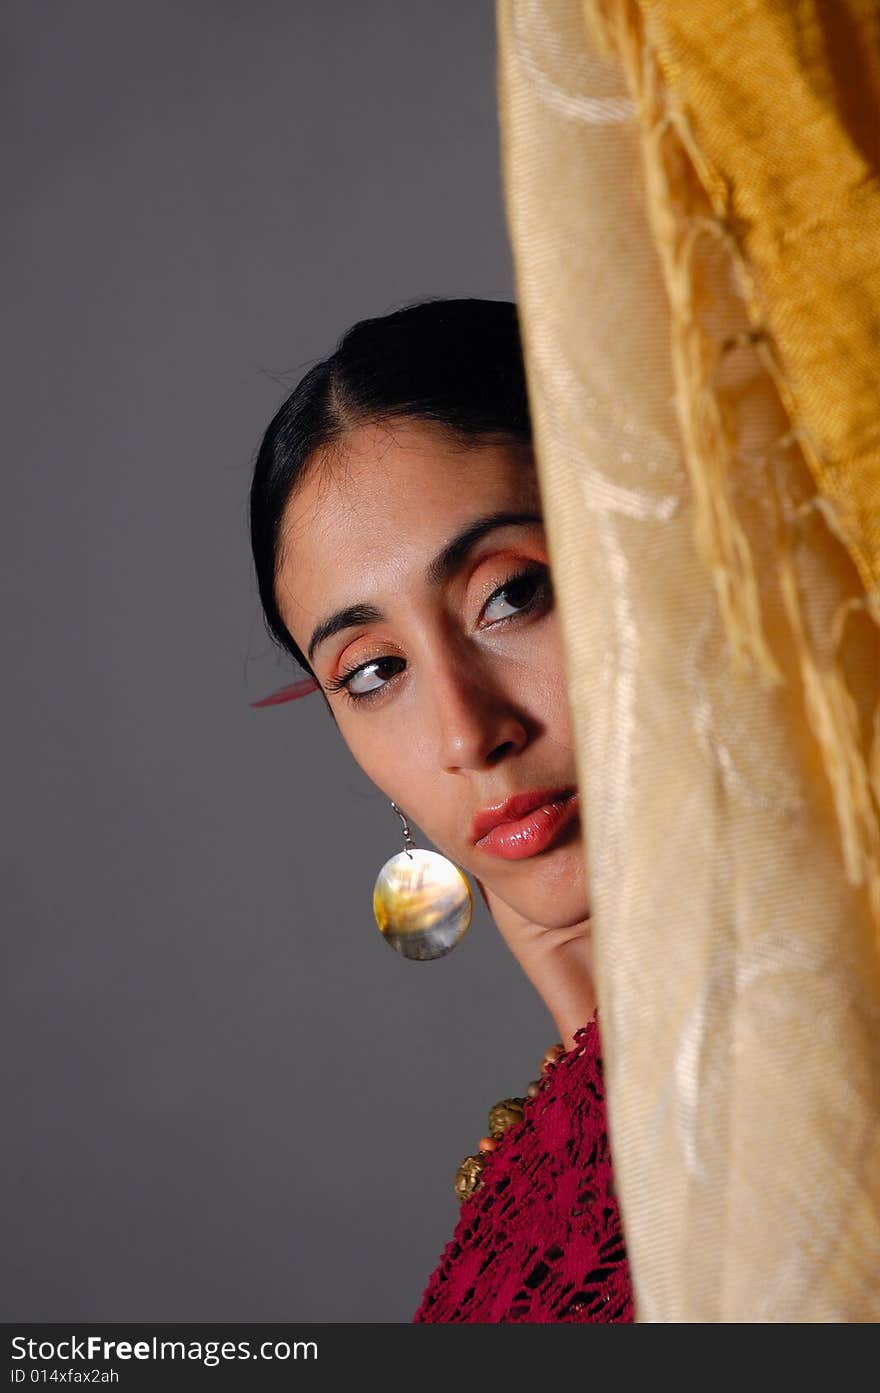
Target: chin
550	889
562	916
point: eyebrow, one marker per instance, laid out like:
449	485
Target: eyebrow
437	572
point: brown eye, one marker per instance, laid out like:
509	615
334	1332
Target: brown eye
368	671
527	591
521	593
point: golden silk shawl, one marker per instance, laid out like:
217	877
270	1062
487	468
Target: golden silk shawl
694	209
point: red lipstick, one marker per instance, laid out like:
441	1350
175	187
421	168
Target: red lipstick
526	823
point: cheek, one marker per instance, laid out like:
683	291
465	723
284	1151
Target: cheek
400	770
550	670
390	763
563	722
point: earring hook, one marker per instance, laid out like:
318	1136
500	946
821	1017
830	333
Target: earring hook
408	844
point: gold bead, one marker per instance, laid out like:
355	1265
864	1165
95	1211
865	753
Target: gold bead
505	1114
468	1177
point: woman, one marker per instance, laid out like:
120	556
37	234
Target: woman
401	559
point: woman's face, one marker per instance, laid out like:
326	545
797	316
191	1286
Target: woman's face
446	680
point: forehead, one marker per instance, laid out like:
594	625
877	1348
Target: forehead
378	506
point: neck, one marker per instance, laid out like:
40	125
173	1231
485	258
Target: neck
559	964
557	961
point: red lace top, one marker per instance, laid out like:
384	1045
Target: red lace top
541	1239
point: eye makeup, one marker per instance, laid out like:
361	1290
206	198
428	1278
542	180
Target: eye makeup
541	593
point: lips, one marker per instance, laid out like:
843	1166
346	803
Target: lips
515	808
533	832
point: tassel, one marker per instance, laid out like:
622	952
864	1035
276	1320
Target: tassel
834	719
687	200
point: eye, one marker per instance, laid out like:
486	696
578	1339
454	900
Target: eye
522	590
362	680
528	590
346	680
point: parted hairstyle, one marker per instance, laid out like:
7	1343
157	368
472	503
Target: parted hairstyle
454	362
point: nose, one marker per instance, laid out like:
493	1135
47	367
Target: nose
478	722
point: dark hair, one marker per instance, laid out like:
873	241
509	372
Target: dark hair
457	363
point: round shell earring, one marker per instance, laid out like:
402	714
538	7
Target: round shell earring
422	902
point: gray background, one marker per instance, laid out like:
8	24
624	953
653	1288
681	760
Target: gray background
225	1097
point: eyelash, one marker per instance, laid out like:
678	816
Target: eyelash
341	683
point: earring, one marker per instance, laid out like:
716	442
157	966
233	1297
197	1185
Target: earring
422	902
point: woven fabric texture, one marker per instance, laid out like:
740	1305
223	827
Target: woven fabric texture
694	211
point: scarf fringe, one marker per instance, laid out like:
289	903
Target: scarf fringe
686	201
